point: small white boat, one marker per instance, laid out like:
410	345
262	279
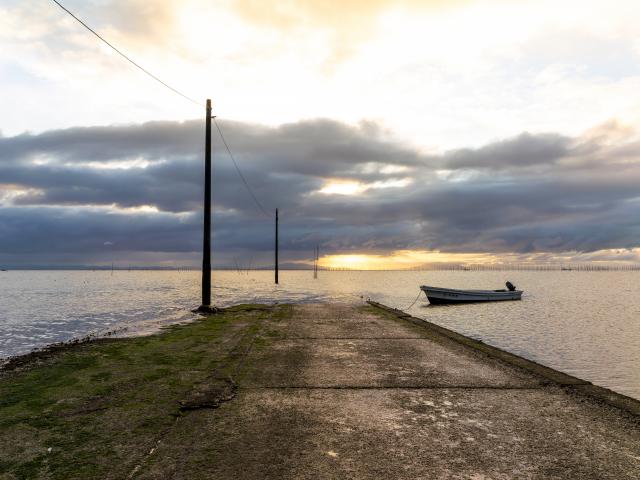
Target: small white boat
437	295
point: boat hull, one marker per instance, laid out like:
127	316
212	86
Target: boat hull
438	295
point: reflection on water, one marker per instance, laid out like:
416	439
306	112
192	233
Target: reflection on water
584	323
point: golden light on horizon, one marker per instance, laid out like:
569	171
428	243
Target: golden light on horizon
347	261
408	259
403	259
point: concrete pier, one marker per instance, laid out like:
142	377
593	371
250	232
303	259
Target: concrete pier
356	392
306	392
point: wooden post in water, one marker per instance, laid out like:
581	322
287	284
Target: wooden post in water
276	248
206	242
316	257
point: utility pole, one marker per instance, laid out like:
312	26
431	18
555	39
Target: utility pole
316	256
206	243
276	269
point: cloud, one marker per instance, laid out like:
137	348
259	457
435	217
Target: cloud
348	24
352	13
142	19
138	188
440	75
525	150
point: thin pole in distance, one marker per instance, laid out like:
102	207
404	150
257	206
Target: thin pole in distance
206	306
276	248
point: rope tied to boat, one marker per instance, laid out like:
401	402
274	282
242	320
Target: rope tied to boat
414	302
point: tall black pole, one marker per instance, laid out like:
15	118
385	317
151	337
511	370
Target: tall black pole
276	269
206	244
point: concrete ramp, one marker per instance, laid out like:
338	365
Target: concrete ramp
353	392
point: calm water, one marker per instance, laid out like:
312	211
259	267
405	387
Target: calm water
584	323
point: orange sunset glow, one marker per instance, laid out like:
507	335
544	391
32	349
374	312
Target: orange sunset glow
401	260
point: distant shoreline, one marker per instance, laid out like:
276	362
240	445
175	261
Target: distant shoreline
439	268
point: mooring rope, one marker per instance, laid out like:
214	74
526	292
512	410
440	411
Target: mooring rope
414	302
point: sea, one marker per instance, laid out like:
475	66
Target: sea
586	324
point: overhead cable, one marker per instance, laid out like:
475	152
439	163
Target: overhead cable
235	164
125	56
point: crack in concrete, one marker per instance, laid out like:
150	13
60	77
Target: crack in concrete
208	396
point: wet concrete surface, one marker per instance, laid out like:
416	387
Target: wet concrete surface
381	362
349	392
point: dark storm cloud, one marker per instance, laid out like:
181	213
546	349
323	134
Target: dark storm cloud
526	150
290	161
153	140
56	230
531	193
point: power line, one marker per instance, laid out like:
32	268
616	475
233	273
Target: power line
125	56
235	164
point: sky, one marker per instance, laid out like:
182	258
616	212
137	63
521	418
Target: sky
391	133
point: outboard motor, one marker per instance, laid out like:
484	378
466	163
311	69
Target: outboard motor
511	286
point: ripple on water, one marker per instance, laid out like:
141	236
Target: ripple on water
583	323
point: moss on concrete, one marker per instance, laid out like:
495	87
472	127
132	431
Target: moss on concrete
94	410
